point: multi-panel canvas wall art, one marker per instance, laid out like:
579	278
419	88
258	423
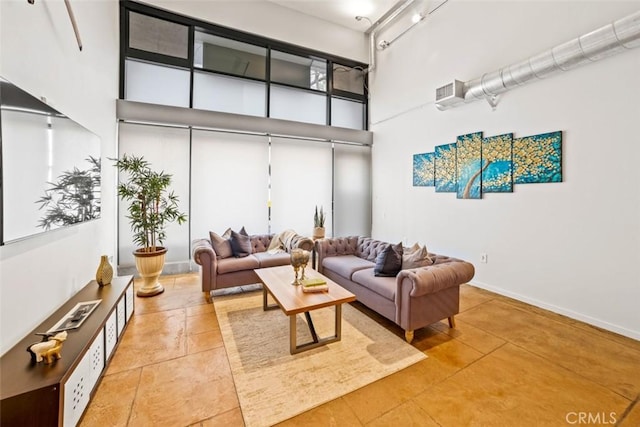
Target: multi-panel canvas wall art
538	158
469	165
424	170
474	165
445	164
497	164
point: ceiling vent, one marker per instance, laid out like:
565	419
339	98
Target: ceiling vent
450	94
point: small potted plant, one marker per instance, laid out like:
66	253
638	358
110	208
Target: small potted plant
151	207
318	224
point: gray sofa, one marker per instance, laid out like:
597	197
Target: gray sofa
415	298
218	273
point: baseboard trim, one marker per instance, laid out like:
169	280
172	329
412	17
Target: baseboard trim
560	310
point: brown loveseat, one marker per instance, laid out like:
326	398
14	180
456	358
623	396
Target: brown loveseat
218	273
413	299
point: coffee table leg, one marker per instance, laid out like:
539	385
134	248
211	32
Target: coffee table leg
312	328
294	348
338	322
265	305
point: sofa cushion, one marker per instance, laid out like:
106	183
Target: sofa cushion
415	256
345	265
389	261
271	260
221	244
229	265
383	286
240	244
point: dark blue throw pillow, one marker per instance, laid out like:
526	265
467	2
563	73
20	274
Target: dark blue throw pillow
389	261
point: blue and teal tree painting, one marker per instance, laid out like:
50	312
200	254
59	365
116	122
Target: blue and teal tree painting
469	165
538	158
496	158
445	162
424	170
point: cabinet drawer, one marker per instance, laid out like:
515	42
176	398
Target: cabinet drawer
129	300
110	334
77	390
96	353
121	315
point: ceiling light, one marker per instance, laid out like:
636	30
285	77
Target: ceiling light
417	18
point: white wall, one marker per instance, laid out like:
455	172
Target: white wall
40	55
572	247
274	21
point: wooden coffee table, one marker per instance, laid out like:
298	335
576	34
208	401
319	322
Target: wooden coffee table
293	301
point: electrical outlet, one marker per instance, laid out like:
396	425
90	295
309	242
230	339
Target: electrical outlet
483	258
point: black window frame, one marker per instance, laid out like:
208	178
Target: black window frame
193	24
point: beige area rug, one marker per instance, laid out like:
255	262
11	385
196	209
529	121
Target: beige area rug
273	385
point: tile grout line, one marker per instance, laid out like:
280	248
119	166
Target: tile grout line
599	332
451	376
564	324
517	307
628	410
134	397
569	370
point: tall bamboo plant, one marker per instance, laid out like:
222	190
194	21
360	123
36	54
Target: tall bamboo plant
151	205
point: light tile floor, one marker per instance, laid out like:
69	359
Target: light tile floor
505	364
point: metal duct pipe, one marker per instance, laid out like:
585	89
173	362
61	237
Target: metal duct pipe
605	41
377	26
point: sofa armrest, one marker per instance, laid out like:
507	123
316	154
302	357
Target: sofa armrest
205	256
436	277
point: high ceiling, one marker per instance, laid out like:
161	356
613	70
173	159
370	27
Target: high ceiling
342	12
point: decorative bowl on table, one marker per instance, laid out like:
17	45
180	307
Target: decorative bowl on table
299	261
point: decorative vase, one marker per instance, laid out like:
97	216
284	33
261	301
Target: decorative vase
104	274
318	233
149	265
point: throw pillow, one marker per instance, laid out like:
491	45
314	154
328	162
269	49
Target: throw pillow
243	231
411	249
389	261
240	244
416	258
221	244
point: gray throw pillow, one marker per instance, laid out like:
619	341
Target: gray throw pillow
389	261
240	244
221	244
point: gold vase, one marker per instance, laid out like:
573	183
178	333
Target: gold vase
104	274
